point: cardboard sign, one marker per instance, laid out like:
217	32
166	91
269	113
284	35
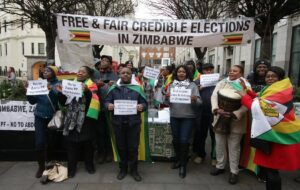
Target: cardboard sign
125	107
37	87
207	80
180	95
151	73
72	88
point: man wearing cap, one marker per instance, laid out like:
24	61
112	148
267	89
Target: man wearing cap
106	79
204	121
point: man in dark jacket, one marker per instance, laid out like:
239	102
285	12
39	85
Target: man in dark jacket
127	127
205	120
105	79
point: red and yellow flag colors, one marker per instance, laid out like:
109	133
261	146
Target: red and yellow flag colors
80	36
233	39
287	130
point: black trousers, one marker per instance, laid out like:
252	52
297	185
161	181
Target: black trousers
273	179
127	140
75	148
103	136
203	125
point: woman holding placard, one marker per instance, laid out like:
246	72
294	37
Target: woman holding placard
184	99
45	106
80	121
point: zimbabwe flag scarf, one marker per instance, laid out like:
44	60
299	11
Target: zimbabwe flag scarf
273	114
94	107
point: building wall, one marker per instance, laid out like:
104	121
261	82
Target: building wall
14	36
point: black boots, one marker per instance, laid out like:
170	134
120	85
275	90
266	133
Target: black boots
184	153
41	158
176	163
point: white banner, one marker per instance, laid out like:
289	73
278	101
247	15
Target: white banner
37	87
16	116
155	32
207	80
125	107
72	88
151	73
180	95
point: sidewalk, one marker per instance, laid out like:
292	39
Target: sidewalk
156	176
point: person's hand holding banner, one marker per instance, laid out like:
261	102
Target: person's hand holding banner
37	87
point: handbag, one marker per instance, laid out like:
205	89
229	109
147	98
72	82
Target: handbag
58	118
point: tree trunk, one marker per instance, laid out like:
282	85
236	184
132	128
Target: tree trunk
200	53
266	43
97	50
50	44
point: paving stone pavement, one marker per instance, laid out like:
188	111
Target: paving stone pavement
156	176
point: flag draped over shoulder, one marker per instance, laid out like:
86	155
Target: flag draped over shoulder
94	107
274	108
167	82
144	148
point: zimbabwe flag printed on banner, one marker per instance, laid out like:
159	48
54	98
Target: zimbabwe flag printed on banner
80	36
274	116
233	39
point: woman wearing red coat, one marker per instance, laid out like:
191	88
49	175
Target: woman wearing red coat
274	103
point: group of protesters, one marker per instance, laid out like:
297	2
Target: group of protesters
90	124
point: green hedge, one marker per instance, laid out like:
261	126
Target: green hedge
12	90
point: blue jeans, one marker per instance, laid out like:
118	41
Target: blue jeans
40	126
182	129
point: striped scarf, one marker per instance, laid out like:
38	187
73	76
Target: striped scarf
94	107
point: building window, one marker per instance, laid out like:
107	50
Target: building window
0	50
5	48
32	48
295	57
23	48
211	59
0	27
41	47
257	49
274	45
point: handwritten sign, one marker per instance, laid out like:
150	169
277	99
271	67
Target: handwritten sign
151	73
207	80
37	87
180	95
125	107
72	88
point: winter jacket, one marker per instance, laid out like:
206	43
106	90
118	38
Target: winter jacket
124	93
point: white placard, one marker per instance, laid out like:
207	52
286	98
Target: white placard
207	80
72	88
180	95
16	116
37	87
125	107
151	73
